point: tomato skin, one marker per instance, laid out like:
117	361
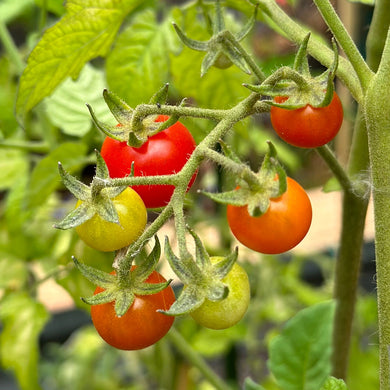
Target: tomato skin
163	153
107	236
142	325
280	228
308	127
228	312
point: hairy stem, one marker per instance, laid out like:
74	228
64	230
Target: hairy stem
345	41
282	23
377	112
196	360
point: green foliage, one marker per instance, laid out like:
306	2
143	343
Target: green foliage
23	320
66	106
300	355
85	32
140	49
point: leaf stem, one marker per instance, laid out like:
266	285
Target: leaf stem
283	24
341	175
196	360
342	36
11	48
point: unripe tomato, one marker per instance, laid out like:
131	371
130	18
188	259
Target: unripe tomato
142	325
162	154
308	127
280	228
108	236
229	311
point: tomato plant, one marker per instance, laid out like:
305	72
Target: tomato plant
163	153
229	311
308	127
280	228
142	325
107	236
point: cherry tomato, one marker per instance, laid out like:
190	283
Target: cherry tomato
142	325
280	228
308	127
163	153
107	236
228	312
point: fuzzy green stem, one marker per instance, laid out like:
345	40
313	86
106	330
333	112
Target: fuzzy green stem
377	34
283	24
229	165
196	360
345	41
377	112
341	175
126	261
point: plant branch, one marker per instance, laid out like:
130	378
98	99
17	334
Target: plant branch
342	36
11	48
195	359
283	24
341	175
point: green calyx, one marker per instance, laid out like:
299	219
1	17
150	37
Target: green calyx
296	85
121	290
132	127
255	189
220	51
95	199
201	278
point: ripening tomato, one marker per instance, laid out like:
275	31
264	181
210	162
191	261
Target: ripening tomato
142	325
108	236
162	154
229	311
280	228
308	127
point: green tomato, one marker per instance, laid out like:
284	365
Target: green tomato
229	311
107	236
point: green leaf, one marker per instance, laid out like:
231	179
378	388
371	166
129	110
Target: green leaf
45	178
139	63
23	319
66	107
13	271
13	164
85	32
300	355
334	384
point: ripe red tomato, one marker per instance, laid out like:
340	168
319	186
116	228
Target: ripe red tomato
308	127
280	228
162	154
108	236
142	325
229	311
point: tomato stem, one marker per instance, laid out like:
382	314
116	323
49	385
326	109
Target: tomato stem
282	23
196	360
341	175
378	125
331	18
